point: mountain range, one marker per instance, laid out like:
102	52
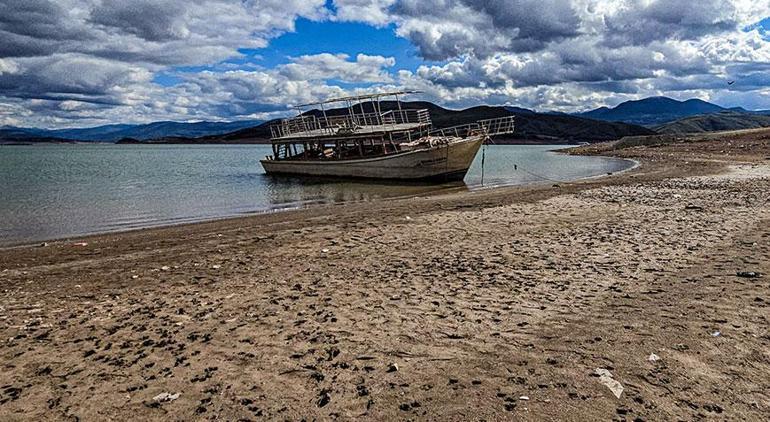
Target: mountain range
142	132
724	120
638	117
655	111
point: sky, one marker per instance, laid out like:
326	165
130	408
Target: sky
76	63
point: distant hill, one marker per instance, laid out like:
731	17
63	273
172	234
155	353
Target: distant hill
113	133
25	136
726	120
530	126
654	111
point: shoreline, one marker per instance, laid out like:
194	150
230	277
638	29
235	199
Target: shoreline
493	304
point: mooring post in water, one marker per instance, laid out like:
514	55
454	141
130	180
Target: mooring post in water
483	156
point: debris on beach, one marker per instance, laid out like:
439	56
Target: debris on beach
680	347
392	367
653	357
165	268
748	274
80	244
324	398
716	334
216	267
605	377
166	397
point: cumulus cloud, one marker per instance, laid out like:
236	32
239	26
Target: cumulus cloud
644	22
336	66
167	32
443	29
541	53
106	52
369	11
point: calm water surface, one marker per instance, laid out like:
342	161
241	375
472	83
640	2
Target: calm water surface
55	191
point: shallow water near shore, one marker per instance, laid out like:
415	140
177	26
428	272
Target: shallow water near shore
55	191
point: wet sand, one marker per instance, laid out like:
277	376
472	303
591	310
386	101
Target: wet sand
495	304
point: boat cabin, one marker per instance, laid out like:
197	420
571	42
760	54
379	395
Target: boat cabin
349	127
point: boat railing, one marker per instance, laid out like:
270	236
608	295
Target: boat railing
459	131
498	126
489	127
307	125
299	124
423	116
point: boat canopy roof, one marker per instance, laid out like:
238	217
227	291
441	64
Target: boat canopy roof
355	98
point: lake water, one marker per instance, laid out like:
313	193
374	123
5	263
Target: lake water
55	191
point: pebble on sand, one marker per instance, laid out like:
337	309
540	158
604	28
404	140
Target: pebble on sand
605	377
164	397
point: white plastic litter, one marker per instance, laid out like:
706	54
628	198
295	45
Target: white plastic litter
653	357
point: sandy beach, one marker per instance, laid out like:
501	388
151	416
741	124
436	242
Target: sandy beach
638	296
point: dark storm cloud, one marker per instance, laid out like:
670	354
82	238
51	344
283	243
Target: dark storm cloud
41	19
70	76
670	19
540	20
151	20
571	61
442	29
36	27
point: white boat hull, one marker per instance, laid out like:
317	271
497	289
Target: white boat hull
442	162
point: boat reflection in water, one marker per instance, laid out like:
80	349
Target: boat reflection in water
288	191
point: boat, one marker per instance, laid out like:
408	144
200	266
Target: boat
373	137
